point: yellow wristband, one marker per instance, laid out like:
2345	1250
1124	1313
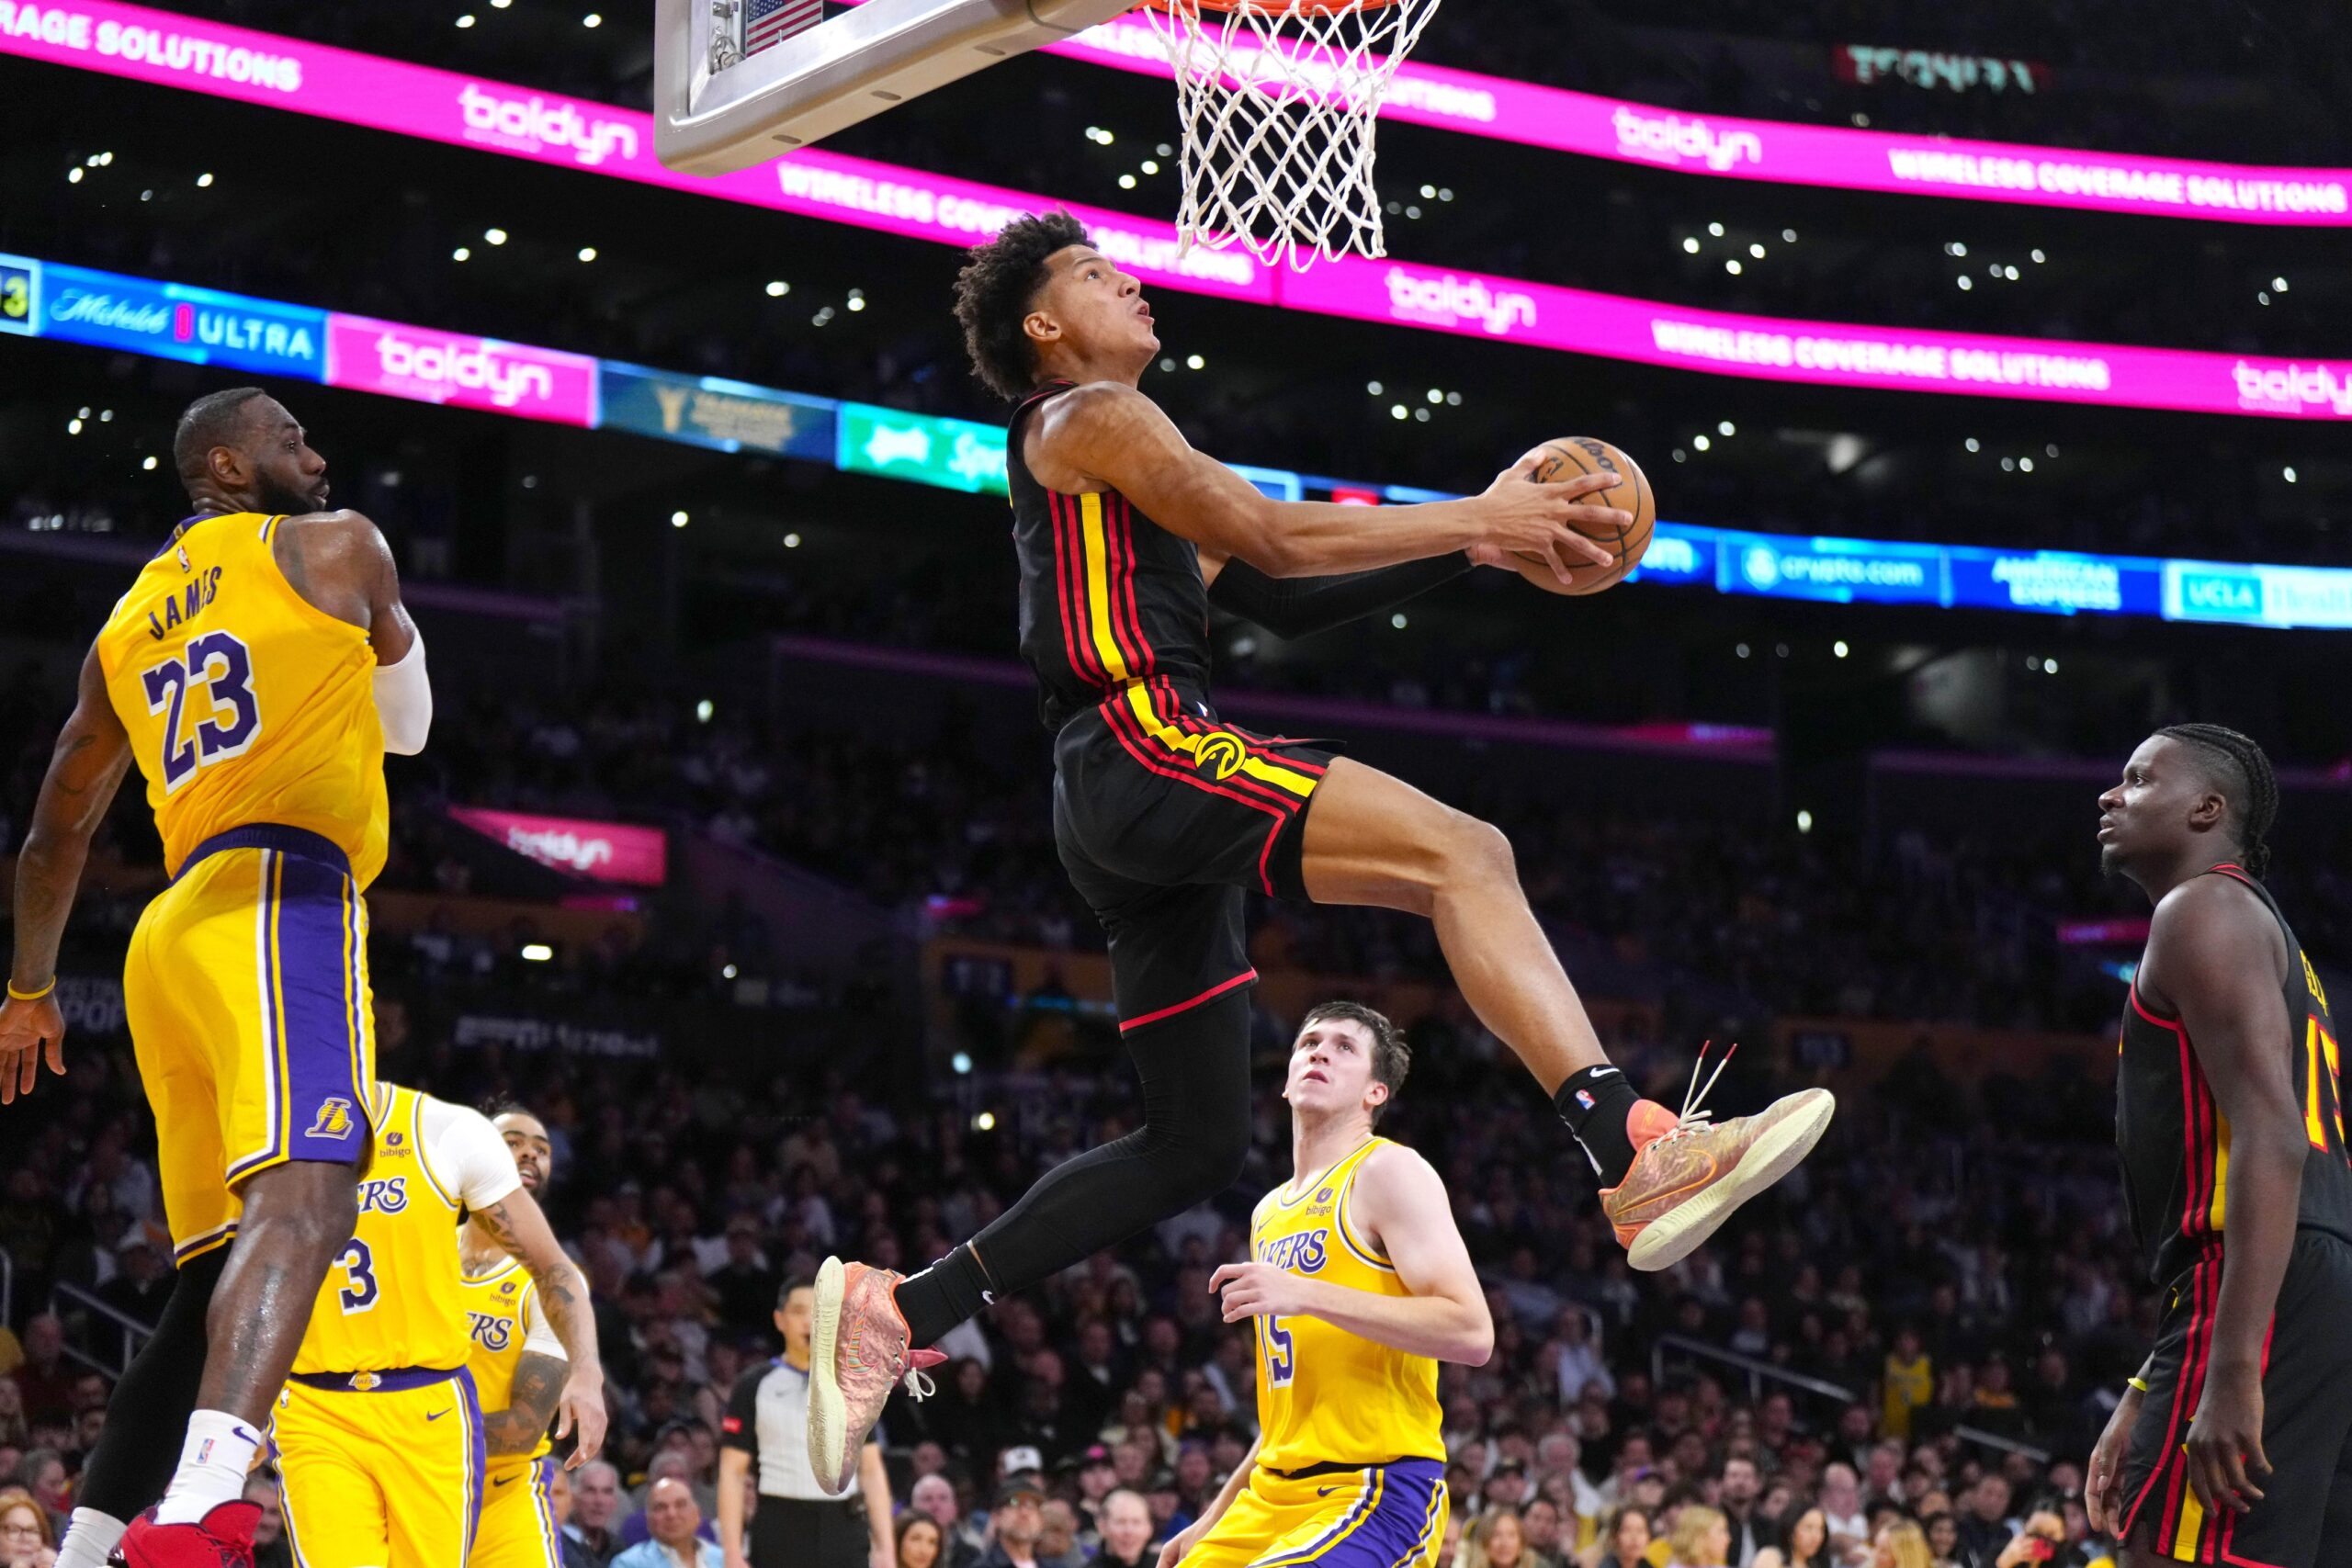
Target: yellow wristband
2140	1384
15	995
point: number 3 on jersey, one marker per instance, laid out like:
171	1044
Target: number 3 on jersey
360	1290
223	667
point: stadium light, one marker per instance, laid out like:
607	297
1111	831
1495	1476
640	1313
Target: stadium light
1701	442
2288	473
1805	821
592	20
587	252
1839	648
536	953
1732	266
1716	230
1691	245
203	181
1397	620
792	541
467	20
460	253
678	520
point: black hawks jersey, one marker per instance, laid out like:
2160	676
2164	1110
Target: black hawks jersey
2175	1142
1109	599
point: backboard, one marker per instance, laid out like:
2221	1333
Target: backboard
718	107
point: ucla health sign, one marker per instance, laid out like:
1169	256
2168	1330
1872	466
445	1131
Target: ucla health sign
171	321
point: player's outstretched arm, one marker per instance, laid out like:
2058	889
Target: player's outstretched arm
1398	1202
341	563
93	751
523	1232
1108	435
2215	955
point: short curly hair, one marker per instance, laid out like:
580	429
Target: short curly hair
995	291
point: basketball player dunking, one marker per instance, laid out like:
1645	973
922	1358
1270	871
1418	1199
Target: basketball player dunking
1358	1285
2231	1445
1164	813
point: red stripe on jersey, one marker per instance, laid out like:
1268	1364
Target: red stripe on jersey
1119	588
1069	588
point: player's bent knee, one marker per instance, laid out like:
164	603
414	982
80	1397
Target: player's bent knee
1478	850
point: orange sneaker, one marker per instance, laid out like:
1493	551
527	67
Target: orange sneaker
1689	1173
858	1349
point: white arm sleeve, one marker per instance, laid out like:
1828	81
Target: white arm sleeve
404	700
469	1157
538	1334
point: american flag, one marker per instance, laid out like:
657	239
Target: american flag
769	22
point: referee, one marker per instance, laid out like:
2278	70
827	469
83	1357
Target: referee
767	1423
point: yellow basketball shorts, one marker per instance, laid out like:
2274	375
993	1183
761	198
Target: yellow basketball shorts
518	1528
246	992
1386	1516
388	1476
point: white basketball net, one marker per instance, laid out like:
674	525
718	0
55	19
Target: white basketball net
1278	100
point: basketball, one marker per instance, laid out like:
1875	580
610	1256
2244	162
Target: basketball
1562	461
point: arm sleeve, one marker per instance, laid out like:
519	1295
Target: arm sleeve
538	1334
1293	606
739	1427
404	700
469	1157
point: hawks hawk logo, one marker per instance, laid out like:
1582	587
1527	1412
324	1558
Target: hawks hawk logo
1219	752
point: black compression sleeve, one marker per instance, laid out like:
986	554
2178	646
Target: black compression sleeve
1293	606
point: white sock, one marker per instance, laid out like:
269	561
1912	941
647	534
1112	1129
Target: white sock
89	1539
213	1461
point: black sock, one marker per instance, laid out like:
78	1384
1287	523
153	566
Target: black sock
1595	1102
943	1295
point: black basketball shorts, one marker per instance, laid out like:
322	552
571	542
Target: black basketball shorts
2304	1519
1164	814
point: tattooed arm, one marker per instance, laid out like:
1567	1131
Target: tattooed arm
538	1379
93	751
521	1230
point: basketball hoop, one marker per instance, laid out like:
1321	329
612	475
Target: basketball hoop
1278	99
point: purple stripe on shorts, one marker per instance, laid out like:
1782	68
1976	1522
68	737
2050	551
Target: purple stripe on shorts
1398	1527
477	1455
327	1102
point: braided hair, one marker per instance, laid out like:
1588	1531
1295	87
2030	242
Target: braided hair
2243	773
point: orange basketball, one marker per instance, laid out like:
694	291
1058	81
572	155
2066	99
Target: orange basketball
1565	460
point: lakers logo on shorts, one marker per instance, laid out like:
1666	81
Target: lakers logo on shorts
1219	752
334	1121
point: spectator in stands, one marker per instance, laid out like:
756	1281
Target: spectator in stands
41	1474
672	1521
46	1379
1625	1540
1057	1536
1984	1525
27	1539
1808	1542
1014	1525
1751	1532
1494	1539
141	1282
596	1500
920	1543
1700	1538
1548	1537
1901	1544
1126	1532
1943	1540
271	1548
1841	1510
13	1427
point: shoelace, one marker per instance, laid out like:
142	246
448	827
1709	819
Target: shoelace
917	1381
1693	1117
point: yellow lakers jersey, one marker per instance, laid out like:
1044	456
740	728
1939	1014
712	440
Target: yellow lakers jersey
245	702
1325	1396
501	1307
393	1297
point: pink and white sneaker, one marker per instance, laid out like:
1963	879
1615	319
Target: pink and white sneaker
859	1349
